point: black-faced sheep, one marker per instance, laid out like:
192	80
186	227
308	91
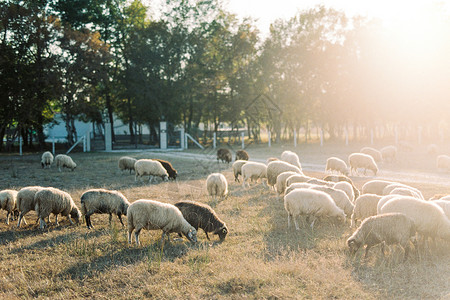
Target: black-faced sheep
224	155
46	159
241	155
151	168
64	161
127	163
169	168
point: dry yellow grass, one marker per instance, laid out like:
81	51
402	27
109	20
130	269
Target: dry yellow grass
260	258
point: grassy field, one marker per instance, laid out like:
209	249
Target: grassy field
260	258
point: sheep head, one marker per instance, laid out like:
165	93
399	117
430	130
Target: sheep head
222	233
353	245
192	235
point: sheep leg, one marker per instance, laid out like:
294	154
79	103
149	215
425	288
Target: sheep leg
110	219
289	221
367	250
312	224
21	216
7	218
70	220
88	221
120	219
406	247
56	220
296	223
207	236
130	230
42	223
136	236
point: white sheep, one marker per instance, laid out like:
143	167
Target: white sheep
26	201
405	192
46	159
445	205
361	160
151	168
253	171
389	153
297	178
64	161
277	167
154	215
392	228
127	163
385	199
311	203
342	178
320	182
298	185
416	193
375	186
55	201
237	168
281	181
443	162
292	158
429	218
365	206
103	201
377	157
347	188
340	198
8	199
336	164
217	185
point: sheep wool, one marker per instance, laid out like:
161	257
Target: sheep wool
347	188
336	164
385	199
375	186
292	158
103	201
64	161
298	185
55	201
389	153
169	168
155	215
415	192
365	206
297	178
237	168
241	155
224	155
151	168
46	159
281	181
277	167
377	157
445	205
364	161
8	199
343	178
339	197
253	171
217	185
26	201
443	162
127	163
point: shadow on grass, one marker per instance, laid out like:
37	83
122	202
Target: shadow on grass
13	235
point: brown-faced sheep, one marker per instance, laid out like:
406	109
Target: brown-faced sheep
224	155
169	168
151	168
241	155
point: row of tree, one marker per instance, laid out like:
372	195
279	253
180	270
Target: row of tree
199	64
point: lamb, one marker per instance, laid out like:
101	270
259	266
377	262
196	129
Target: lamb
336	164
311	203
281	181
237	168
392	228
297	178
443	162
26	201
169	168
416	193
8	199
339	197
389	153
154	215
224	155
429	218
377	157
298	185
127	163
375	186
64	161
103	202
292	158
339	178
275	168
365	206
347	189
202	216
46	159
52	200
149	167
241	155
217	185
253	171
445	205
361	160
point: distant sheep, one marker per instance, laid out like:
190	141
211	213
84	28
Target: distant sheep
103	201
169	168
405	146
281	181
217	185
127	163
253	171
26	201
237	168
64	161
55	201
336	164
224	155
392	228
292	158
340	178
364	161
202	216
339	197
377	157
155	215
8	199
241	155
151	168
365	206
297	178
46	159
275	168
389	153
375	186
320	182
311	203
432	149
443	162
347	188
298	185
416	193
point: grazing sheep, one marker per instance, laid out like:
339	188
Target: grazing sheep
389	153
310	203
447	198
8	199
432	149
365	206
347	189
237	168
375	186
340	178
361	160
405	146
443	162
445	205
392	228
281	181
103	201
46	159
275	168
224	155
340	198
202	216
429	218
320	182
336	164
416	193
405	192
297	178
241	155
271	159
127	163
169	168
64	161
217	185
26	201
377	157
298	185
151	168
253	171
55	201
385	199
154	215
292	158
